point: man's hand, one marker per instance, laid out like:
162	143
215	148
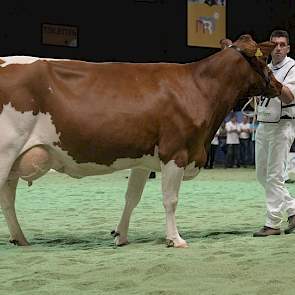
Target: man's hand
286	95
276	90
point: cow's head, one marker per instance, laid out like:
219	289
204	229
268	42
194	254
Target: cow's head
264	81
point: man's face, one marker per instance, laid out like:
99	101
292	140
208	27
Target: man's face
281	50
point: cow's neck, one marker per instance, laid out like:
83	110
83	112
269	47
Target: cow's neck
223	79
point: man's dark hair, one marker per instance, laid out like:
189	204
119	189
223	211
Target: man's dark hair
280	33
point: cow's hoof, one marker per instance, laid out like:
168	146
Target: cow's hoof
120	241
18	243
176	244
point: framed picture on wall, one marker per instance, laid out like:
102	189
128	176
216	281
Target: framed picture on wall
206	22
59	35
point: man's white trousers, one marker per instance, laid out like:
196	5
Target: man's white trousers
273	142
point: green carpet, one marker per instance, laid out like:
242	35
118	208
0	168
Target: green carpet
68	223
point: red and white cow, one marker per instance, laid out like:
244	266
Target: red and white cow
83	118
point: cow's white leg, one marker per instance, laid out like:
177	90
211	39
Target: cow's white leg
7	202
15	128
171	179
135	188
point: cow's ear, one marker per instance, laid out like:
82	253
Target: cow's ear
264	49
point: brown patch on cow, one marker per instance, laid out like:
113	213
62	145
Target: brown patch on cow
21	90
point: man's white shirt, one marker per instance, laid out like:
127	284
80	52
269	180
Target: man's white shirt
232	137
272	109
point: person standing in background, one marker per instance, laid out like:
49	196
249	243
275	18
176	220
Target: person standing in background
212	151
232	142
245	134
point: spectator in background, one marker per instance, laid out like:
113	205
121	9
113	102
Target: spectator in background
232	142
212	151
222	138
245	134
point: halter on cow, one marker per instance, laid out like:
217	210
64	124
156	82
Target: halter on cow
83	118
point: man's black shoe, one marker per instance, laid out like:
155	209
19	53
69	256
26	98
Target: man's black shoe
267	231
291	227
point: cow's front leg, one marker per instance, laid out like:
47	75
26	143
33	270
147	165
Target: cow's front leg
135	188
171	179
7	201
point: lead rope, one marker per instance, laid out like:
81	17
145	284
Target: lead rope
254	99
255	110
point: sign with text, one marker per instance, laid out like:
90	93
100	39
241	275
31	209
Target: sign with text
59	35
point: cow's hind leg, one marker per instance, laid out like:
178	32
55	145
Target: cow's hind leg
7	193
136	185
172	176
7	201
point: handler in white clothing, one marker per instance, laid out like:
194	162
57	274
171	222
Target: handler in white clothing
274	137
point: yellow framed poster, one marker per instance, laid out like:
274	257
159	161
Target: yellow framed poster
206	22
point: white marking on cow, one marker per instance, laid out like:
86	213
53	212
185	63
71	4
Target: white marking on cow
19	59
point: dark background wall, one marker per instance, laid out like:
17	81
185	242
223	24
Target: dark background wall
129	30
